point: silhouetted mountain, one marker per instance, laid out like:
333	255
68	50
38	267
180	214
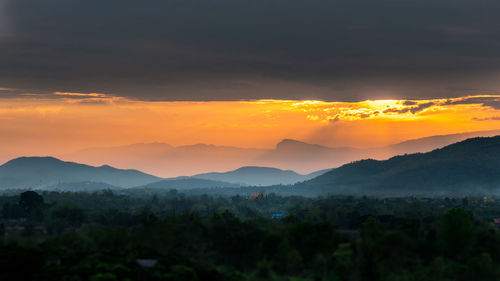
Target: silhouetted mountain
259	176
433	142
38	172
170	161
187	183
305	157
86	186
470	166
167	161
317	173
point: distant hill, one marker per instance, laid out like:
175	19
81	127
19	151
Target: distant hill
187	183
86	186
317	173
467	167
433	142
39	172
255	176
164	160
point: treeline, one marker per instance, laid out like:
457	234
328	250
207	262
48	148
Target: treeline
104	236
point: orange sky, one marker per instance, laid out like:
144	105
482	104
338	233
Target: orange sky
65	122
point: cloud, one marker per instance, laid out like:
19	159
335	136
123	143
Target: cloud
490	100
88	98
409	102
82	95
333	119
412	109
236	49
495	118
397	110
421	107
3	23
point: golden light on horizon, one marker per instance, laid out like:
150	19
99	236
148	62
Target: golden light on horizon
68	121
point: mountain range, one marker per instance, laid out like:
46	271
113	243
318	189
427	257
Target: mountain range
259	176
468	167
165	160
49	173
86	186
40	172
186	183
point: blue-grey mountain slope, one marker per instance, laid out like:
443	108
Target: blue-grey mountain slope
255	176
470	166
86	186
39	172
184	183
164	160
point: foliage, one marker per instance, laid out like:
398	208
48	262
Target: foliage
103	236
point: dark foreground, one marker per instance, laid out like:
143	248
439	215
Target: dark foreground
69	236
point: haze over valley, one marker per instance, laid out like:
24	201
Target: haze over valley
469	167
164	160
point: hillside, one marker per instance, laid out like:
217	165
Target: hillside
86	186
39	172
470	166
259	176
165	160
185	183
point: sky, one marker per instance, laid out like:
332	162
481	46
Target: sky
64	122
76	74
240	49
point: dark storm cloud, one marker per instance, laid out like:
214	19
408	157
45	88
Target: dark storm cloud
495	118
409	102
413	109
491	101
244	49
421	107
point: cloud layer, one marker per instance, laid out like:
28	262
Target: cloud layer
241	49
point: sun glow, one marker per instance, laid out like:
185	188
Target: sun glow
65	122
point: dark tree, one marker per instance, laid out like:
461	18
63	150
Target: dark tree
455	234
30	200
32	204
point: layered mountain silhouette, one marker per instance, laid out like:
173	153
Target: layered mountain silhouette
49	173
467	167
259	176
164	160
86	186
39	172
470	166
185	183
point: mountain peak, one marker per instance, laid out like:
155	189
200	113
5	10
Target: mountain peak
256	175
291	143
33	159
37	172
467	167
256	169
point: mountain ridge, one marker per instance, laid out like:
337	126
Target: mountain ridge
42	171
474	163
288	154
258	176
186	183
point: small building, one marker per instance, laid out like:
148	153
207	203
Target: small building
277	216
488	200
256	196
